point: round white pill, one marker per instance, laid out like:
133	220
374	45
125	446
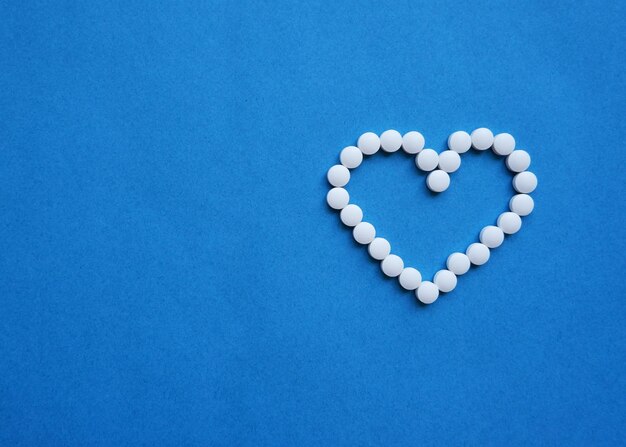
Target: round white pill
491	236
338	175
518	161
412	142
445	280
390	140
337	198
427	160
482	139
351	215
509	222
427	292
351	157
449	161
369	143
459	141
410	278
392	265
438	181
364	233
522	204
379	248
525	182
477	253
458	263
503	144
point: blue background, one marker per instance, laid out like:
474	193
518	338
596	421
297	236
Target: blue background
170	273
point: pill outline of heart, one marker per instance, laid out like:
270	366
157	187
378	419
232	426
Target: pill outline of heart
509	222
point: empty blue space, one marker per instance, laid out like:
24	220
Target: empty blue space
170	273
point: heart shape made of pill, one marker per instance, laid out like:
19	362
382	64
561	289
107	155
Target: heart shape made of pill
439	166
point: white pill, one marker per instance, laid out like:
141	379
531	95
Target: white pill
458	263
427	292
390	140
438	181
459	141
338	175
509	222
491	236
412	142
392	265
445	280
427	160
518	161
410	278
379	248
522	204
351	157
369	143
351	215
364	233
525	182
482	139
477	253
503	144
449	161
337	198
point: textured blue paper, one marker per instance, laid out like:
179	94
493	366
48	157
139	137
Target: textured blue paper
171	275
